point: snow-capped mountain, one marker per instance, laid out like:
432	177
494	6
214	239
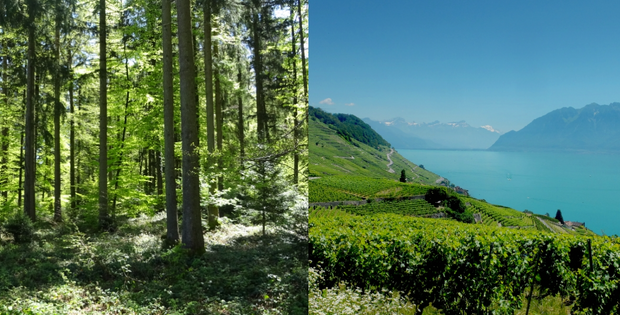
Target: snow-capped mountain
434	135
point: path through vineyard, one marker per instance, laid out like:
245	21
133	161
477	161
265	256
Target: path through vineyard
389	159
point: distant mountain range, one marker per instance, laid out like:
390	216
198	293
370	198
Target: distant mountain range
436	135
593	128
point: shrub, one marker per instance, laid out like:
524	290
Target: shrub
436	194
20	226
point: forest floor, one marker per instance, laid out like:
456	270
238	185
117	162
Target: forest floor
65	271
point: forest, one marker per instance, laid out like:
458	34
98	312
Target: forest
153	156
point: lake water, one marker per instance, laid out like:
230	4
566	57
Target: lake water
586	187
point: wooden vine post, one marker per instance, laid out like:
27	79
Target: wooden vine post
529	298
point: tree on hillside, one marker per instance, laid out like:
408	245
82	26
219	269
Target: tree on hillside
558	216
403	177
436	196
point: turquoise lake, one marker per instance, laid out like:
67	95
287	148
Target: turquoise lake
585	187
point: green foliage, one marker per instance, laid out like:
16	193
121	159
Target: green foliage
455	203
458	267
558	216
436	195
363	187
415	207
503	215
319	192
267	195
20	226
403	177
128	272
466	216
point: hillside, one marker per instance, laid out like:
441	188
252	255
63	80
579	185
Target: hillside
349	127
332	153
345	169
593	128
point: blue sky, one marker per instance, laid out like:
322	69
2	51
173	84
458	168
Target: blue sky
498	63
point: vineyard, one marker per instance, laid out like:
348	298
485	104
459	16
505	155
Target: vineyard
416	207
505	216
461	268
319	192
322	189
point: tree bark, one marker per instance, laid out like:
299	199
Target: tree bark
160	182
241	125
295	113
192	228
4	137
261	115
57	112
303	51
208	60
172	220
120	159
104	217
219	118
29	181
21	169
72	140
79	147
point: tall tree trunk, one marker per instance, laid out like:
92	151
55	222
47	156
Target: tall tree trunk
29	183
104	217
241	125
192	228
57	109
160	182
21	155
152	171
21	169
218	117
4	136
120	159
213	210
303	52
172	220
295	112
72	141
79	147
122	137
261	115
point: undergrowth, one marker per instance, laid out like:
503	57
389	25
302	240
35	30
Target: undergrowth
67	271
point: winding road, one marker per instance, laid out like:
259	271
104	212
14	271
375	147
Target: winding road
390	159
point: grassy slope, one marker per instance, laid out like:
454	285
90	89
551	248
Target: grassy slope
327	150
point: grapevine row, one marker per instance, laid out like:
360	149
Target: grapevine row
473	269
